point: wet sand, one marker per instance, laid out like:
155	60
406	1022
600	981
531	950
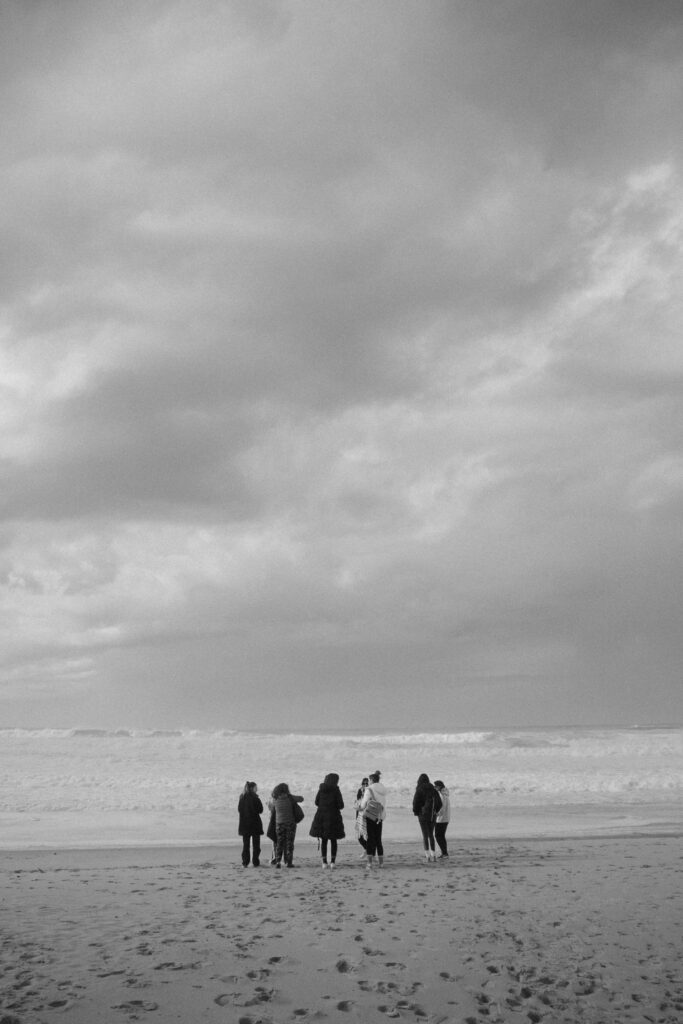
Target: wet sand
562	930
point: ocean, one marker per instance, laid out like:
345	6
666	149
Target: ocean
88	788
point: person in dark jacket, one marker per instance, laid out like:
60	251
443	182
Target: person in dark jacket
426	806
250	809
328	825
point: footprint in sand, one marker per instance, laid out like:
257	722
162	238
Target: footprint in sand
225	998
345	1005
137	1004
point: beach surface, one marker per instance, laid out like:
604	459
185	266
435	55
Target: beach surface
555	930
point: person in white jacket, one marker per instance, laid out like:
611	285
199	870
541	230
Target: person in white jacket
442	818
373	807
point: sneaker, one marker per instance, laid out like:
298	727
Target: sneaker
332	866
323	865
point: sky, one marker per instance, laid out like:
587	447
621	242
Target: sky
341	363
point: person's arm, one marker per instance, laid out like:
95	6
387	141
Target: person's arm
365	798
417	802
259	805
297	799
340	800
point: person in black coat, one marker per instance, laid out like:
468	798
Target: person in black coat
328	824
426	806
250	809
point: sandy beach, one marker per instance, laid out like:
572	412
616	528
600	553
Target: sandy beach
560	930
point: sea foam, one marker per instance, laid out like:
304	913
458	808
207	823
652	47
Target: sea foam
91	786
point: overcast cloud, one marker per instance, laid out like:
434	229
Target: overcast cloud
341	363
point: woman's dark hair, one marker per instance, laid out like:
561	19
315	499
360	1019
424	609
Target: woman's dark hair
439	784
374	777
422	779
249	787
280	790
364	781
331	780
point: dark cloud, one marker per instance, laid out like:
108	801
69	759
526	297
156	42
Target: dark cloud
341	342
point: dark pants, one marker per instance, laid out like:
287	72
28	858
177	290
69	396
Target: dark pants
255	839
374	838
285	843
440	836
333	849
427	828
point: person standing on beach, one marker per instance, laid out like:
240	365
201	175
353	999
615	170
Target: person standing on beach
361	830
442	818
287	812
250	808
328	824
426	806
373	806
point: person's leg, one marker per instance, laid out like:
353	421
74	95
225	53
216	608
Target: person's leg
245	851
362	834
289	845
379	847
280	843
440	836
256	856
323	851
430	836
424	829
333	850
372	840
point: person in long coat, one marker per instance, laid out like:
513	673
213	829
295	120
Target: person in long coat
328	824
250	809
426	806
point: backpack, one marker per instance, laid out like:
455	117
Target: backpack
373	809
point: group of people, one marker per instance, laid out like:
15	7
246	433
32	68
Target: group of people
431	806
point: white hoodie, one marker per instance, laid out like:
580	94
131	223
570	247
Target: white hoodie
379	791
444	814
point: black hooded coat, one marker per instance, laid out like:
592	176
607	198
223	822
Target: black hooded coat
327	822
250	809
426	802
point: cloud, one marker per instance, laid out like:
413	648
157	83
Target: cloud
338	339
